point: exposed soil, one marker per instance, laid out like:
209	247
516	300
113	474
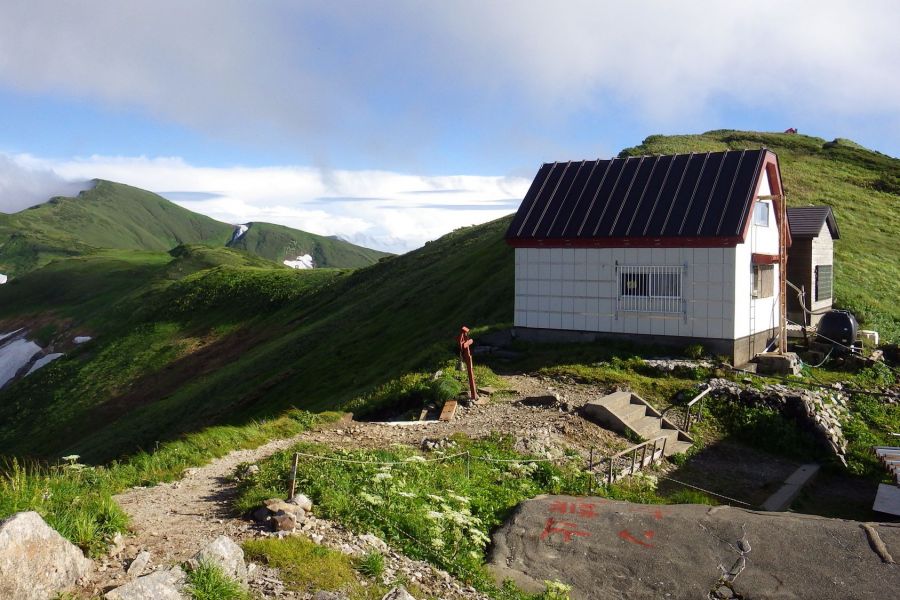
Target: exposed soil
173	521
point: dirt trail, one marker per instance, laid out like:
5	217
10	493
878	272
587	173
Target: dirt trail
174	520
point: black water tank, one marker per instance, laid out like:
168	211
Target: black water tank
837	326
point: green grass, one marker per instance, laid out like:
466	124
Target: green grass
76	500
437	511
209	582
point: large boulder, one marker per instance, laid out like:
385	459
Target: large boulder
226	555
159	585
609	549
36	562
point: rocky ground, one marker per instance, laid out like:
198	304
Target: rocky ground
172	522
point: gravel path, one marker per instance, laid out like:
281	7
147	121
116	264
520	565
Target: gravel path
172	521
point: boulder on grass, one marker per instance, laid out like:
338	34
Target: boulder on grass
36	562
226	555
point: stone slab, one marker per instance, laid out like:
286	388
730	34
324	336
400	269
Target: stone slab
887	500
608	549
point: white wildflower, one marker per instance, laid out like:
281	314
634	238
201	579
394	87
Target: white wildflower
416	458
382	476
458	498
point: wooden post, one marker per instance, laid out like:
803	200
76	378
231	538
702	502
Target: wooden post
609	479
644	455
294	476
465	354
633	459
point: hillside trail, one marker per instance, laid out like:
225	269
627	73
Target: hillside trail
172	521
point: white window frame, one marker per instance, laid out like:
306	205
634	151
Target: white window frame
657	288
761	213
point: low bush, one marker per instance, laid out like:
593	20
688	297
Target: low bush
436	510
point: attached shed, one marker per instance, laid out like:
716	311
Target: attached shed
811	262
676	249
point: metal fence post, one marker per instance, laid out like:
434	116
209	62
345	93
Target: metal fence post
294	476
591	473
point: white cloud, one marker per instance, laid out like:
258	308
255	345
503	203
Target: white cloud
381	209
315	72
24	184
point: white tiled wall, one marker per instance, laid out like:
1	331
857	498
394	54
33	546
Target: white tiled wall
756	314
575	288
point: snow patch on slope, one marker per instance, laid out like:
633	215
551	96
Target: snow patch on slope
14	355
3	278
44	360
239	232
81	339
303	262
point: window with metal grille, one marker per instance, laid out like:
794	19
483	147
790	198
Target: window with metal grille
650	289
761	214
824	282
763	281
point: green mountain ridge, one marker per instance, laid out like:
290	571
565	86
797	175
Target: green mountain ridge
279	243
117	216
205	337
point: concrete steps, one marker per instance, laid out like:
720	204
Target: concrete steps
628	412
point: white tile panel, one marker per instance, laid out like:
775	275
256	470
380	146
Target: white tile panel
568	321
555	320
580	322
569	256
555	303
544	303
580	289
544	320
580	271
545	287
658	326
568	287
580	256
519	319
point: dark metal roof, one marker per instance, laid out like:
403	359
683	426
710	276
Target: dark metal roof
807	221
640	199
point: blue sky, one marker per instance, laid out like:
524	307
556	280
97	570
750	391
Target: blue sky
326	115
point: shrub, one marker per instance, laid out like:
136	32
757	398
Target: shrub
209	582
372	565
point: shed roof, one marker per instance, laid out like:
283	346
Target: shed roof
807	221
697	199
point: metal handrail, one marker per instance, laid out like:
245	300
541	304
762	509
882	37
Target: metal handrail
698	398
636	465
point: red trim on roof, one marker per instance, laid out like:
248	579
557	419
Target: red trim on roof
628	242
773	172
764	259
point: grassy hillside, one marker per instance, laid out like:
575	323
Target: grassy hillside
863	188
179	354
109	215
116	216
279	243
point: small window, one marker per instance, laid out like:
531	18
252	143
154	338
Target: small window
650	288
824	282
761	214
763	281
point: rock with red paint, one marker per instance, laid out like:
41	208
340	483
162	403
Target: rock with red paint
610	549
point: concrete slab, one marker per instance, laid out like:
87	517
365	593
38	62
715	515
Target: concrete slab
787	493
887	500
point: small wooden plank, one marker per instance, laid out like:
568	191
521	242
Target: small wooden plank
449	410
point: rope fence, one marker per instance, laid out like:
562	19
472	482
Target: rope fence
590	468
